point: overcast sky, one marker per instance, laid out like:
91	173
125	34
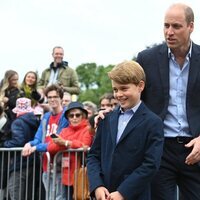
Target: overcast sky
101	31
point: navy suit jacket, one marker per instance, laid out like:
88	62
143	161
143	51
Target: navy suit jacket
129	165
155	62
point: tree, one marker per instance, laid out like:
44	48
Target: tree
94	81
86	73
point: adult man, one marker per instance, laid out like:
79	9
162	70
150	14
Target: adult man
51	123
60	73
173	92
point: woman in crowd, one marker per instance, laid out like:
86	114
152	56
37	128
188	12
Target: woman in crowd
29	88
9	92
90	107
76	135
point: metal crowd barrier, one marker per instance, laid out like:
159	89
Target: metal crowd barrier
21	177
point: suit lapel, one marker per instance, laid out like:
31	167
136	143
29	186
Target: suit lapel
134	121
194	67
163	61
114	125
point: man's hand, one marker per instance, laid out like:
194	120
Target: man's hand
101	115
101	193
194	156
28	150
115	196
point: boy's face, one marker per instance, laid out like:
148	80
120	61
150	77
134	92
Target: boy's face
128	95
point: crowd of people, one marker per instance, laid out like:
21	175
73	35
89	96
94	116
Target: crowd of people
36	111
147	142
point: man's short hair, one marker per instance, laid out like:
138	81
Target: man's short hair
57	47
56	88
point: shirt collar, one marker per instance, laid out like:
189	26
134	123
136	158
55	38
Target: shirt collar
188	54
133	109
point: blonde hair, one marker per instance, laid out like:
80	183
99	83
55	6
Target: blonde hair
127	72
5	82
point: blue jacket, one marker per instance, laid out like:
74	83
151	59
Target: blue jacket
129	165
39	136
23	130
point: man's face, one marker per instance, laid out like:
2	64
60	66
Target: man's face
176	30
58	54
54	100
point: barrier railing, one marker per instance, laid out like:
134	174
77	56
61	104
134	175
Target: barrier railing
21	177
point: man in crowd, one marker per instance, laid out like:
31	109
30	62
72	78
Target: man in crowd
60	73
52	122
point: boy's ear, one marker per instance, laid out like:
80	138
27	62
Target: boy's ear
141	85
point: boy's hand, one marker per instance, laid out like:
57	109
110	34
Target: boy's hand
115	196
101	193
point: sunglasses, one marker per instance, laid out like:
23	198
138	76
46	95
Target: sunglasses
77	115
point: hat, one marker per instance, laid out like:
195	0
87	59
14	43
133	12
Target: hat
75	105
23	105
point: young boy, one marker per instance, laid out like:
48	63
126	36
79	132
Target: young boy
128	146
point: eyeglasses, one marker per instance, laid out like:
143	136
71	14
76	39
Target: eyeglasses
77	115
52	97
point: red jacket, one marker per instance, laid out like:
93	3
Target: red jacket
79	136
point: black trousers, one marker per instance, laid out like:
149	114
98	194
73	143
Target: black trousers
175	173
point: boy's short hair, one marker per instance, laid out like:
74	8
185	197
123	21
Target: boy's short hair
56	88
127	72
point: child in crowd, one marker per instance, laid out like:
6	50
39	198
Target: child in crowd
23	129
105	101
